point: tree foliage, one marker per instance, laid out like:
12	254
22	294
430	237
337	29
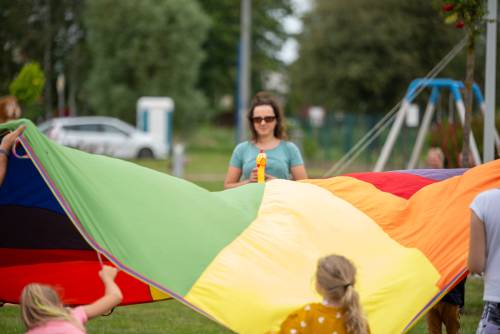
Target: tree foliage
28	85
471	15
218	74
45	32
465	13
41	31
360	55
13	40
111	52
145	48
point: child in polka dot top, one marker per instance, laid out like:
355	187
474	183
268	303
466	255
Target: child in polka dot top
340	312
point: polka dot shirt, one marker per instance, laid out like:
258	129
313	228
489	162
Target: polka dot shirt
315	318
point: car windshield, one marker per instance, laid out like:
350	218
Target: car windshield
124	126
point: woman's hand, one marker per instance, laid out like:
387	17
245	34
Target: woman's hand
269	177
253	175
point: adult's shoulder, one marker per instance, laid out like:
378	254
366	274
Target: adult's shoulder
244	145
293	154
485	201
488	195
291	145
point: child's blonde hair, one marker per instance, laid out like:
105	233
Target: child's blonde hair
335	277
40	304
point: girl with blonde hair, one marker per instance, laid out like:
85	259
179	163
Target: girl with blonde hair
340	312
42	311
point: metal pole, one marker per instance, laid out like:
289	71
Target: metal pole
489	117
497	137
244	68
422	133
391	138
60	83
179	159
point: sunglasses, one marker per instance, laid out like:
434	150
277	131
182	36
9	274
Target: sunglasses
267	119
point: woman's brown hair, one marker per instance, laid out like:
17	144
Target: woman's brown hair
266	99
335	279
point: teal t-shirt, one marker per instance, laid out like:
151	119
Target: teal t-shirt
279	159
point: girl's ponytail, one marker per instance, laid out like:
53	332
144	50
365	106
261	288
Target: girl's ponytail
355	321
335	278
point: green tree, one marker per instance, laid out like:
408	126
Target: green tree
468	14
28	85
43	31
218	72
145	48
360	55
13	40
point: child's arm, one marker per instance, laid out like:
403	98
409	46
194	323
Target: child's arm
112	294
477	245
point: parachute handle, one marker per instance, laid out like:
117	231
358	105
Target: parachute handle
14	150
100	259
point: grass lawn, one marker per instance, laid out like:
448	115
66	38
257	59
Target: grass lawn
173	317
206	166
155	318
472	310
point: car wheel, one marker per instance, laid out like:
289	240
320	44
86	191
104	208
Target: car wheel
145	153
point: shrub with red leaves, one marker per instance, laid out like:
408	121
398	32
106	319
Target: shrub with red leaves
448	7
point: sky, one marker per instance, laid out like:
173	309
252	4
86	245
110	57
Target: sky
293	24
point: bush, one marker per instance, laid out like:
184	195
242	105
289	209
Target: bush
28	85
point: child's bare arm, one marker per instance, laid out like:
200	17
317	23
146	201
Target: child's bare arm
112	294
477	245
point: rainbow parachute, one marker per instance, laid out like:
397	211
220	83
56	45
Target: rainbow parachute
243	257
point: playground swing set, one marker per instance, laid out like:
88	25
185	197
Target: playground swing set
437	86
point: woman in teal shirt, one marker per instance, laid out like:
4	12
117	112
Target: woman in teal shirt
284	161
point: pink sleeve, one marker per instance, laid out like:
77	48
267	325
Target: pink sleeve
79	314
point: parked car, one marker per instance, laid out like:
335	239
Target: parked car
103	135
